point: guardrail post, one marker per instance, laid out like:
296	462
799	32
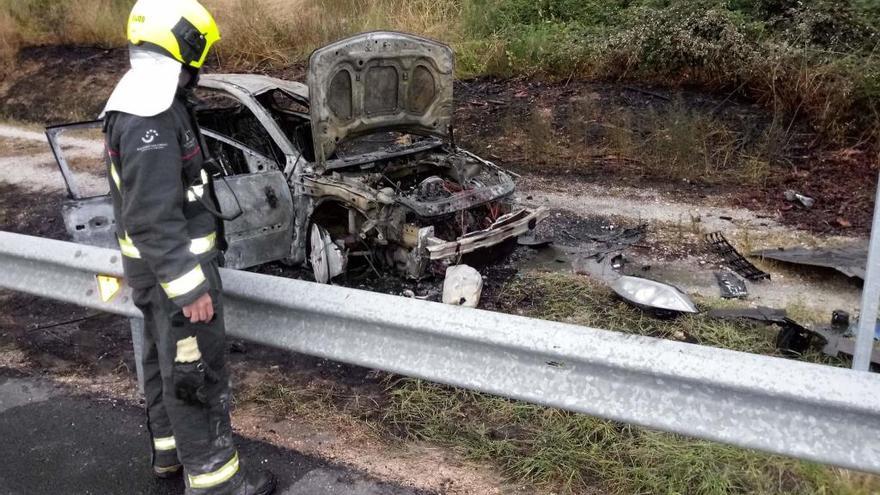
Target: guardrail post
137	338
870	296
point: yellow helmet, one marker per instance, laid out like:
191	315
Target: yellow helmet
181	29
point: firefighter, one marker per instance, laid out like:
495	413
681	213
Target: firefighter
166	220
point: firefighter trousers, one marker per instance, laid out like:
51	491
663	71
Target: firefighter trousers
198	434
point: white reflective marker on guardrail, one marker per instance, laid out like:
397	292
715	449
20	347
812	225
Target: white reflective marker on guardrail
819	413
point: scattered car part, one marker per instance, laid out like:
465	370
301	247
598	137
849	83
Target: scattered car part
463	286
760	314
733	259
651	294
613	244
732	287
838	342
534	242
793	196
840	320
602	269
327	258
850	260
793	338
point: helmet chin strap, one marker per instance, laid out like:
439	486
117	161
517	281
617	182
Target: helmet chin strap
189	77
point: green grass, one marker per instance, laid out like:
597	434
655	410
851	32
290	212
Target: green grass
573	453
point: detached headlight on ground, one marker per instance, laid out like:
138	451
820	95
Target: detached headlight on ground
651	294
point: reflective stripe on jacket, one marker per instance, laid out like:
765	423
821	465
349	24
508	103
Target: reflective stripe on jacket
157	182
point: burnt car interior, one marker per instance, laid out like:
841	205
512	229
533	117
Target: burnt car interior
228	117
292	116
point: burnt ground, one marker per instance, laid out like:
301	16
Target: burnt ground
581	114
496	118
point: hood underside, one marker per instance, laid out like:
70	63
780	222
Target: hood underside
379	80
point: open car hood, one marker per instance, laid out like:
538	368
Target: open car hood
380	80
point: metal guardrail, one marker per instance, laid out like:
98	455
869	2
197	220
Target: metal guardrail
819	413
870	295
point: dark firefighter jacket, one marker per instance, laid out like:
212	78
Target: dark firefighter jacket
155	165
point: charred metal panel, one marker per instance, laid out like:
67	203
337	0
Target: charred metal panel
53	134
380	80
849	260
510	226
91	221
264	231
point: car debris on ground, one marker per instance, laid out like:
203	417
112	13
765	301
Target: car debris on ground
662	298
732	287
795	197
463	286
795	339
849	260
733	259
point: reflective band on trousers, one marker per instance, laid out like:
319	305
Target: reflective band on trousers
127	247
199	245
217	477
184	284
166	443
115	175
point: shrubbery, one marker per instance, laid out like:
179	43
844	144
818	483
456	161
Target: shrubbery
813	60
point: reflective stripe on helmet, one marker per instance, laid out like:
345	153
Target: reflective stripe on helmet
163	444
127	247
203	244
212	479
184	284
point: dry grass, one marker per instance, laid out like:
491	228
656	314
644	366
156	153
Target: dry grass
261	33
256	33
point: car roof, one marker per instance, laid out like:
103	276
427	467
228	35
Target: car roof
255	84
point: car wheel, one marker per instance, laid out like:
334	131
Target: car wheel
328	260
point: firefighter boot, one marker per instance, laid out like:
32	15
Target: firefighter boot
245	483
168	469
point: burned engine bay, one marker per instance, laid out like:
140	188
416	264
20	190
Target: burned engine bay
407	211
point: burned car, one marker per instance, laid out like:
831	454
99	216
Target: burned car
362	162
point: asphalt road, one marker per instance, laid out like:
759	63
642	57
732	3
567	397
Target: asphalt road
52	442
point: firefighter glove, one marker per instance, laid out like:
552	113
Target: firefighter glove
191	376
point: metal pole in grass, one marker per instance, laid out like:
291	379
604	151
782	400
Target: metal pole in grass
870	296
